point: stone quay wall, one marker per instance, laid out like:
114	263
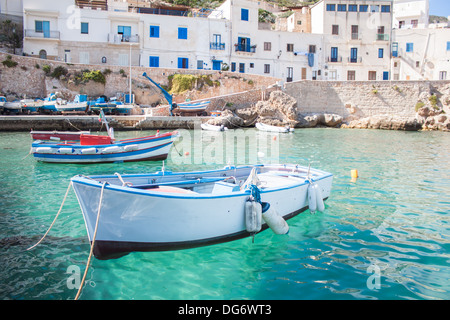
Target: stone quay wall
354	100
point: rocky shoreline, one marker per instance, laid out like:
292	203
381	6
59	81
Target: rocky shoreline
281	110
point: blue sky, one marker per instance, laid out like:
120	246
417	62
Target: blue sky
440	7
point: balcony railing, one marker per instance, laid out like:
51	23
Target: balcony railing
216	46
30	33
354	59
239	47
382	37
120	38
335	59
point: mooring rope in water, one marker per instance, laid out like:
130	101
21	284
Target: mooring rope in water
93	242
54	220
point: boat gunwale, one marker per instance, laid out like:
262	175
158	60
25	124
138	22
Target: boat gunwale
91	181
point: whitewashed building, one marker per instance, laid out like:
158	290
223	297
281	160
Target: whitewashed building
349	39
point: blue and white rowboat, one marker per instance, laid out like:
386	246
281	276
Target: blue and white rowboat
193	106
96	149
168	211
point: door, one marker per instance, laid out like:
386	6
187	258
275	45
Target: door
303	73
217	65
290	74
46	28
334	54
183	63
385	75
67	57
354	55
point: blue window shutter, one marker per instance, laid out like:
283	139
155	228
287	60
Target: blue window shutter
385	75
244	14
448	45
182	33
38	26
409	47
154	62
380	53
85	28
154	31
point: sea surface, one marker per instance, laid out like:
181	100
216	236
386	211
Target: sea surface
384	235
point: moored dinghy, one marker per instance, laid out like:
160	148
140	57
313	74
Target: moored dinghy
169	211
210	127
269	128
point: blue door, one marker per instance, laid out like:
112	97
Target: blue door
217	65
334	54
183	63
46	28
385	75
354	55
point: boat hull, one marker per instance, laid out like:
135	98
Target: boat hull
269	128
145	220
141	149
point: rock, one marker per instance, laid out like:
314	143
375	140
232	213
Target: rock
385	122
227	119
331	120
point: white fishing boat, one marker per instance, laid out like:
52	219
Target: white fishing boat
269	128
193	106
210	127
79	104
12	107
168	211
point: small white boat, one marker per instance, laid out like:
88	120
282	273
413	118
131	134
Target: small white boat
29	105
269	128
193	106
12	107
168	211
210	127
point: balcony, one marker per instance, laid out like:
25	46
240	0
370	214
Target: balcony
382	37
115	38
217	46
51	35
354	59
240	47
334	59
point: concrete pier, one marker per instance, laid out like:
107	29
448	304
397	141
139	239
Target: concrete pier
85	122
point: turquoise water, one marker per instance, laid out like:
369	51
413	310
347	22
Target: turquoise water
384	236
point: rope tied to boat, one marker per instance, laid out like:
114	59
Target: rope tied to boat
56	217
93	241
255	192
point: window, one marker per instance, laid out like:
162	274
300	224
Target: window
252	65
331	7
153	62
448	45
374	8
312	48
372	75
409	47
267	68
352	8
380	53
363	8
290	74
385	75
199	64
182	33
354	32
217	65
414	23
351	75
342	7
85	28
124	30
183	63
233	66
442	75
353	55
417	64
395	49
38	26
385	8
242	67
154	31
335	29
244	14
290	47
267	46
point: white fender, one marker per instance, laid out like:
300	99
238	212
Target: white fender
65	150
312	198
253	213
319	198
275	222
88	151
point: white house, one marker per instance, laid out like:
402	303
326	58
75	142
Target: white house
410	14
357	36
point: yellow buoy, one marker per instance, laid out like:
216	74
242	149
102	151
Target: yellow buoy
354	173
